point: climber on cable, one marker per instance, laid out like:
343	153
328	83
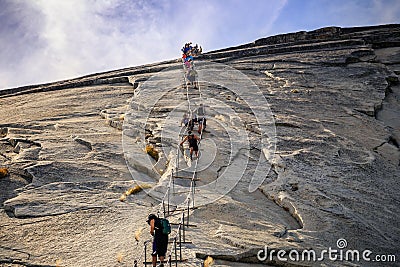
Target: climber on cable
191	76
185	119
160	241
187	48
201	118
192	140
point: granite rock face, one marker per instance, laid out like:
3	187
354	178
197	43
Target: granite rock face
72	148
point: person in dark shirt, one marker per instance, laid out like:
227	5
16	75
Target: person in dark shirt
201	118
160	241
192	140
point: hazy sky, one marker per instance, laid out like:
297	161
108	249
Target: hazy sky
49	40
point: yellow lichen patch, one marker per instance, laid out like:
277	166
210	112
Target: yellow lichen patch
122	117
58	263
137	189
208	262
138	233
152	152
122	198
3	132
220	118
120	257
3	172
295	91
133	190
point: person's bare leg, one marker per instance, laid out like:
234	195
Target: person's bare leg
154	260
162	258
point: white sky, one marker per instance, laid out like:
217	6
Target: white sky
49	40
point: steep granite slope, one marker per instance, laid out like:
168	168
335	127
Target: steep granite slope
334	99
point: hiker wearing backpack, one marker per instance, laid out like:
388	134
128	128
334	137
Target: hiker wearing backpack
159	229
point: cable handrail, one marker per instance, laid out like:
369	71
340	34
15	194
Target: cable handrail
190	194
192	183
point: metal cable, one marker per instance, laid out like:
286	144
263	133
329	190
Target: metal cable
192	184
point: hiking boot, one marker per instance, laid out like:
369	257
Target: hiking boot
161	265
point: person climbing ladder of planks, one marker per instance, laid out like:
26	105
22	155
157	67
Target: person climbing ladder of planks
193	145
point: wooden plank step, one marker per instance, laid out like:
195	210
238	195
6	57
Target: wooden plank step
172	260
186	177
182	192
182	242
190	225
182	209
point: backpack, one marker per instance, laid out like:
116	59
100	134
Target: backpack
166	226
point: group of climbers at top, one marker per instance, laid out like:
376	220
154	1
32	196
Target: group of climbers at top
189	52
198	117
157	227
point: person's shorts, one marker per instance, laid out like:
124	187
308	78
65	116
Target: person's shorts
160	245
195	148
202	120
